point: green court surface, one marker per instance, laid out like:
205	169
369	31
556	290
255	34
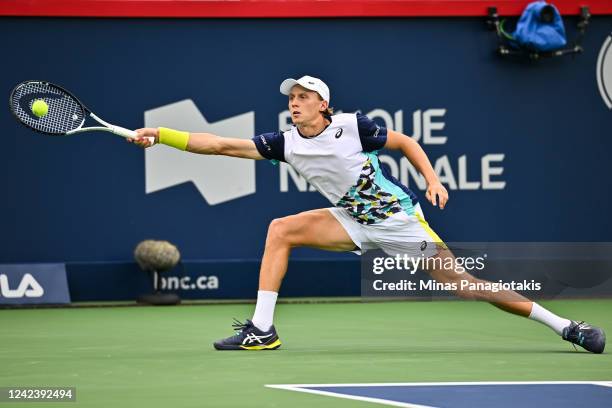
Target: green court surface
163	357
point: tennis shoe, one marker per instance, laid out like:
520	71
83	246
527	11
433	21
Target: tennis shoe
249	337
589	337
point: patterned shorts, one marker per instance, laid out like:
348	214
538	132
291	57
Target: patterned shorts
398	234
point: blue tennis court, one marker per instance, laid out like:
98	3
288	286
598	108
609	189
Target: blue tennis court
468	395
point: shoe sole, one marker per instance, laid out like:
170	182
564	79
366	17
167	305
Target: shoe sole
272	346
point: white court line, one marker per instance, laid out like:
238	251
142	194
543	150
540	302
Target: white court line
303	388
605	383
346	396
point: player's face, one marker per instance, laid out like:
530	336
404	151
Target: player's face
305	106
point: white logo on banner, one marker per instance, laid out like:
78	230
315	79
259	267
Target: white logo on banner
604	71
202	282
28	287
217	178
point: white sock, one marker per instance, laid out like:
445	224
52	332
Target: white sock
264	310
548	318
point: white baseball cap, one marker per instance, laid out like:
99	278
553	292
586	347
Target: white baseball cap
308	82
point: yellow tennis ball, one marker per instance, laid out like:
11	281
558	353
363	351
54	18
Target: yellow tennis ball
40	108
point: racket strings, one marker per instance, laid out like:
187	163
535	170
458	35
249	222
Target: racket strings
64	113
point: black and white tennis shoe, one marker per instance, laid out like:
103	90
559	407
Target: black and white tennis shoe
249	337
589	337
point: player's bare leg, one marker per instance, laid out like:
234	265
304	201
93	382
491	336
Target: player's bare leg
507	300
591	338
315	229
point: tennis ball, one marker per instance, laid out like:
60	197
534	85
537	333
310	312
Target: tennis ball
40	108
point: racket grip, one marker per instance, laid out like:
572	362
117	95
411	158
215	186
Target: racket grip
127	133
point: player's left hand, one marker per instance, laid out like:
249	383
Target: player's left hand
437	194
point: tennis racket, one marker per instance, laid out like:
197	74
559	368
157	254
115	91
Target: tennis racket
65	116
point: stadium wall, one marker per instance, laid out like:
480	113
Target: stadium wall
521	145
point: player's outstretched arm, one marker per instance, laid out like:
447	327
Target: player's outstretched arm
201	143
436	192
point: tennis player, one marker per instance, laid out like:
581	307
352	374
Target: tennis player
337	154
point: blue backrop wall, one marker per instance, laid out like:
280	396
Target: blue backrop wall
543	128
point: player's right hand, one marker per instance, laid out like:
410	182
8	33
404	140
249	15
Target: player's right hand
143	138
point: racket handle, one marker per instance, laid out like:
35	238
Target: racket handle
118	130
127	133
